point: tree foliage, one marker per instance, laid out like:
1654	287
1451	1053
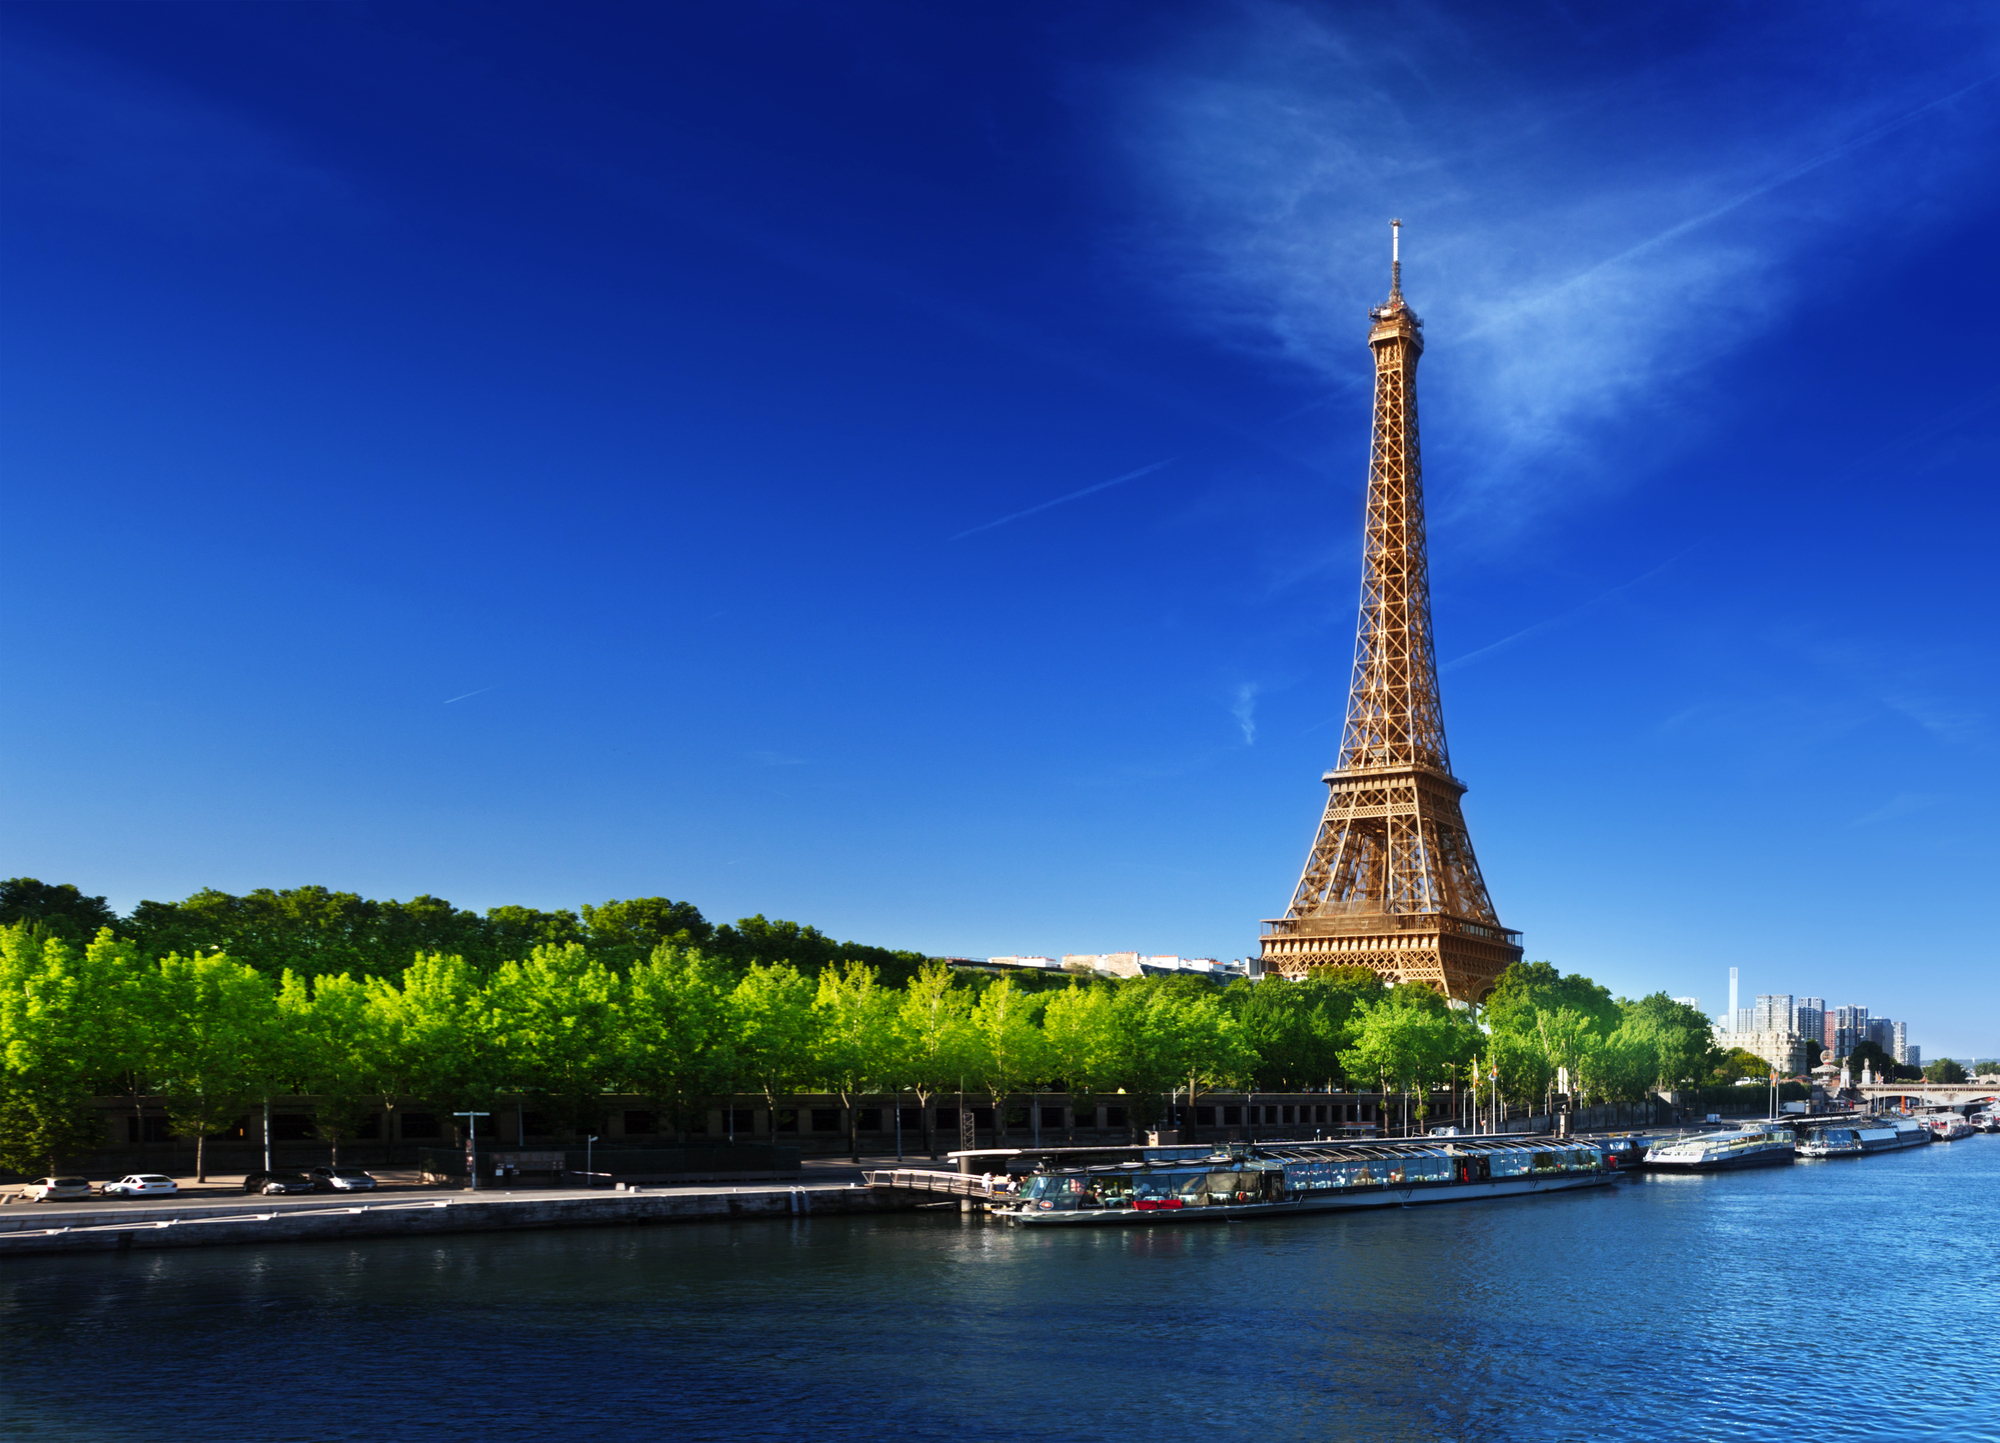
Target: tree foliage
582	1015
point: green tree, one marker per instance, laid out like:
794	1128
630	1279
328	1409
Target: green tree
771	1017
1080	1029
811	951
1409	1041
556	1021
437	1038
334	1050
216	1021
1682	1040
513	933
1738	1063
312	930
854	1038
1165	1030
59	909
676	1032
63	1029
933	1022
1300	1029
1945	1070
1527	988
623	934
1007	1050
1623	1067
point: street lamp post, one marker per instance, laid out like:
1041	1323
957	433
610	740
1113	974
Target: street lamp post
472	1144
588	1139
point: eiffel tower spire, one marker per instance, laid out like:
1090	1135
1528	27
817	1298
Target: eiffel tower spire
1391	882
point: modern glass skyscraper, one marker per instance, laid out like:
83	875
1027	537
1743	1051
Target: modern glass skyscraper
1772	1012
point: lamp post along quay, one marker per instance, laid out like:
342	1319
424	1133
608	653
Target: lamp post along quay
472	1144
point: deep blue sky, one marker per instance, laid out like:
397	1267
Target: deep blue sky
550	453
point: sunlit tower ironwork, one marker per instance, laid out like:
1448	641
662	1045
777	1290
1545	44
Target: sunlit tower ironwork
1391	882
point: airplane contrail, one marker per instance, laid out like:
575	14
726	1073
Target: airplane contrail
1560	617
450	699
1783	178
1073	496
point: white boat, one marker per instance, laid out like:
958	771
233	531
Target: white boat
1099	1187
1751	1144
1866	1135
1949	1127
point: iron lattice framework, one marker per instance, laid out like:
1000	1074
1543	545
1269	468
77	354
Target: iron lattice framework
1391	882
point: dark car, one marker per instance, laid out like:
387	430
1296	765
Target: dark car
272	1184
341	1179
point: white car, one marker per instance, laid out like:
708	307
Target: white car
142	1184
342	1179
57	1189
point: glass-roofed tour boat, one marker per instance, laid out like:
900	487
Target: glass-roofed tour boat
1073	1187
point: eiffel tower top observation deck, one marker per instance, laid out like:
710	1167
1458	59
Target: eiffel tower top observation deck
1391	882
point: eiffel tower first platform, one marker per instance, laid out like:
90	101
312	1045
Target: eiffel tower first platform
1391	883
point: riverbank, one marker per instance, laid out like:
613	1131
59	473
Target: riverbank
214	1221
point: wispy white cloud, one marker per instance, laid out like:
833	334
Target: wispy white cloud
1582	236
1245	712
1903	804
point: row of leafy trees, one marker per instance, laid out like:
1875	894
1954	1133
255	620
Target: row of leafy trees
314	931
682	1027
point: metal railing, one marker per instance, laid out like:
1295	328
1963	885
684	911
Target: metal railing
951	1184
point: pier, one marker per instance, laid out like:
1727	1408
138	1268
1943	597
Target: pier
199	1221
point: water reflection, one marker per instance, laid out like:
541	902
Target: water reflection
1669	1308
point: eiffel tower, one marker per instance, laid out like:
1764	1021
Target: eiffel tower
1391	882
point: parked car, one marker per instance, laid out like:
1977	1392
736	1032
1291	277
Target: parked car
142	1184
1446	1132
342	1179
57	1189
275	1184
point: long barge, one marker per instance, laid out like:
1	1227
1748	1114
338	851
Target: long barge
1094	1187
1865	1136
1750	1144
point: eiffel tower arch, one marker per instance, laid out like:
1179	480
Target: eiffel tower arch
1391	882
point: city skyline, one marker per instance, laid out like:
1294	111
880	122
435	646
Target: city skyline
907	477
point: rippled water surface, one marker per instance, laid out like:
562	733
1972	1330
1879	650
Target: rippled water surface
1825	1301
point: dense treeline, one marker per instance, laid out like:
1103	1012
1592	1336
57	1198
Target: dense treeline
685	1024
314	932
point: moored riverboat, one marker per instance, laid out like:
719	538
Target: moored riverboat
1949	1127
1865	1136
1190	1184
1753	1144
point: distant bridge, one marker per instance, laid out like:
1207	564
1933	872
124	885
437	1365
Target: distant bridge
1958	1096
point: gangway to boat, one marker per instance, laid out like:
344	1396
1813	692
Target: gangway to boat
946	1184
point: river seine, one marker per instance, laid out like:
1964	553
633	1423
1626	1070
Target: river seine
1856	1299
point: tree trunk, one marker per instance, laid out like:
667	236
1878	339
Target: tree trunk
200	1155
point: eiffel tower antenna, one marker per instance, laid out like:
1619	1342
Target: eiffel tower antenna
1391	882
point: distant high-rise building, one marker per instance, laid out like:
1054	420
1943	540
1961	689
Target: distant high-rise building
1846	1027
1809	1018
1772	1012
1743	1019
1880	1031
1899	1043
1694	1002
1915	1058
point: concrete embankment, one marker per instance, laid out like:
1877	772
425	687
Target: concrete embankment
127	1229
